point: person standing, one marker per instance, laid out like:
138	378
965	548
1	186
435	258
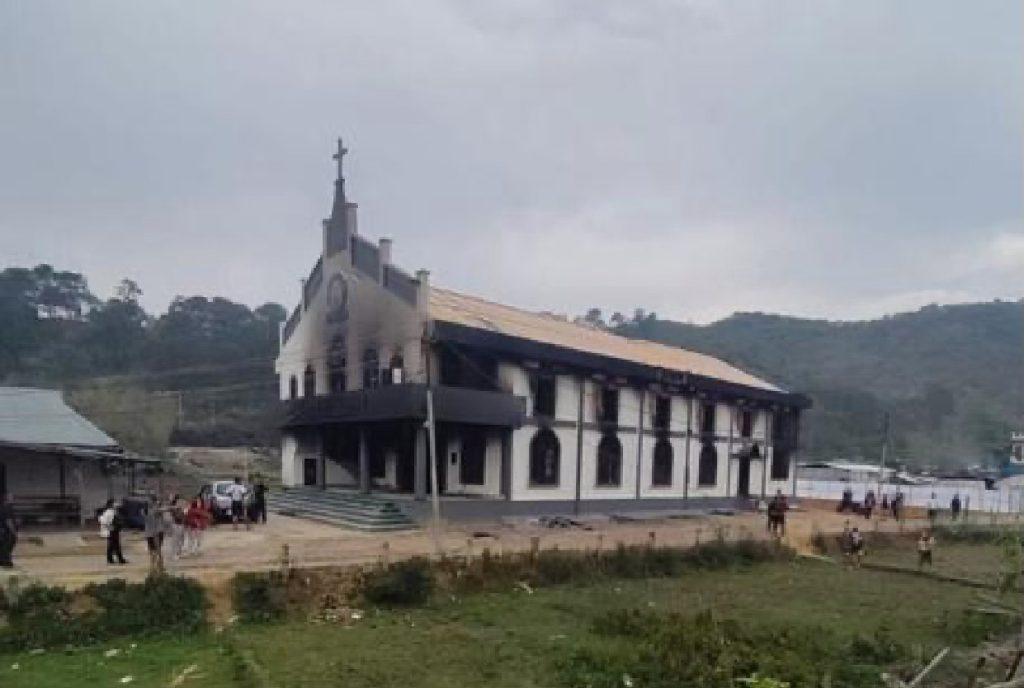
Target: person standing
237	492
196	519
869	503
771	513
933	509
259	501
925	543
110	529
897	505
846	543
176	524
783	507
153	530
857	546
954	507
8	532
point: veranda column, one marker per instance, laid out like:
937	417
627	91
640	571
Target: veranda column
364	462
420	463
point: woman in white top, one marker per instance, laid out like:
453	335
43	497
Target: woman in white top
110	528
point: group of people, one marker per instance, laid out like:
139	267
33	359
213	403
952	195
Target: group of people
894	505
179	524
175	521
853	547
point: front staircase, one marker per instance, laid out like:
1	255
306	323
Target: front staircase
341	508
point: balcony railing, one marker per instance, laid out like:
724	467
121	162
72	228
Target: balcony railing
408	402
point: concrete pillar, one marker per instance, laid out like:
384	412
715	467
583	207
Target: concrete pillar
420	465
364	462
505	486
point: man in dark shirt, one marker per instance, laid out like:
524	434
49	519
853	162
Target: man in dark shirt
259	500
8	532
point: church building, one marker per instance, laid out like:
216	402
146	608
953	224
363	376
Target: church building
532	413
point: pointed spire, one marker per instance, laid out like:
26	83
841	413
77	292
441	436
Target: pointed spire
341	225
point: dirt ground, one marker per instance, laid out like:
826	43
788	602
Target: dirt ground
77	558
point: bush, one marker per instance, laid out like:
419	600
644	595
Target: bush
701	650
975	534
47	616
259	597
403	584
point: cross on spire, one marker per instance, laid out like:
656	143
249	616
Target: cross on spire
339	156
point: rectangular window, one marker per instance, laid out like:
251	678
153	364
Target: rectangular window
544	395
707	419
662	412
746	423
608	405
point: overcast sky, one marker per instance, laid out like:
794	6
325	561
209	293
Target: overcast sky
821	158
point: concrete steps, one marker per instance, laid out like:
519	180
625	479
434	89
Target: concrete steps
349	510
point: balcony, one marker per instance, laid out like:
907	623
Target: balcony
408	402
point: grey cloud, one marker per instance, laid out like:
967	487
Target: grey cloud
829	158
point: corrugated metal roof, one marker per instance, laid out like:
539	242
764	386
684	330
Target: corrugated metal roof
40	416
470	311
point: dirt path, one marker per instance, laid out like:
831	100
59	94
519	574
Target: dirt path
75	559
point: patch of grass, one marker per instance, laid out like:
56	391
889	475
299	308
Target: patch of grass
517	639
513	638
153	663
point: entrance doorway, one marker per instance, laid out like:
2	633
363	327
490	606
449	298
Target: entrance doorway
309	472
743	477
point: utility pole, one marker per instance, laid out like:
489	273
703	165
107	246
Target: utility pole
885	448
435	498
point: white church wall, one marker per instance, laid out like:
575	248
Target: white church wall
291	466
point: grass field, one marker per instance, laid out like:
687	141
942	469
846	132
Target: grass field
518	639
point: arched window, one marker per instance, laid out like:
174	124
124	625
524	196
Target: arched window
609	462
336	375
755	451
544	458
396	370
783	437
337	362
309	382
707	469
371	368
293	387
661	468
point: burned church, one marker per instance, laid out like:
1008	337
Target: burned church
531	413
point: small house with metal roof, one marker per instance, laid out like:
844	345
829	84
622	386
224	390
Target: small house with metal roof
55	465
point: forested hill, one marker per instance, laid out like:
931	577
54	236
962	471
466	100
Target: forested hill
952	377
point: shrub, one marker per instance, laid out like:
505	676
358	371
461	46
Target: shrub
258	597
406	583
46	616
701	650
974	533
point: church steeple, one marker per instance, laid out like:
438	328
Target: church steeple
339	184
342	222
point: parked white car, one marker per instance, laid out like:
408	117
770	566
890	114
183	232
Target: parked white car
216	496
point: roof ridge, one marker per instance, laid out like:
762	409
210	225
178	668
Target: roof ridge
595	335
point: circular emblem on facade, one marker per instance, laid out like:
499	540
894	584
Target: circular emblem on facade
337	299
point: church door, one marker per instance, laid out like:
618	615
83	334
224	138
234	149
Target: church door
310	472
743	477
